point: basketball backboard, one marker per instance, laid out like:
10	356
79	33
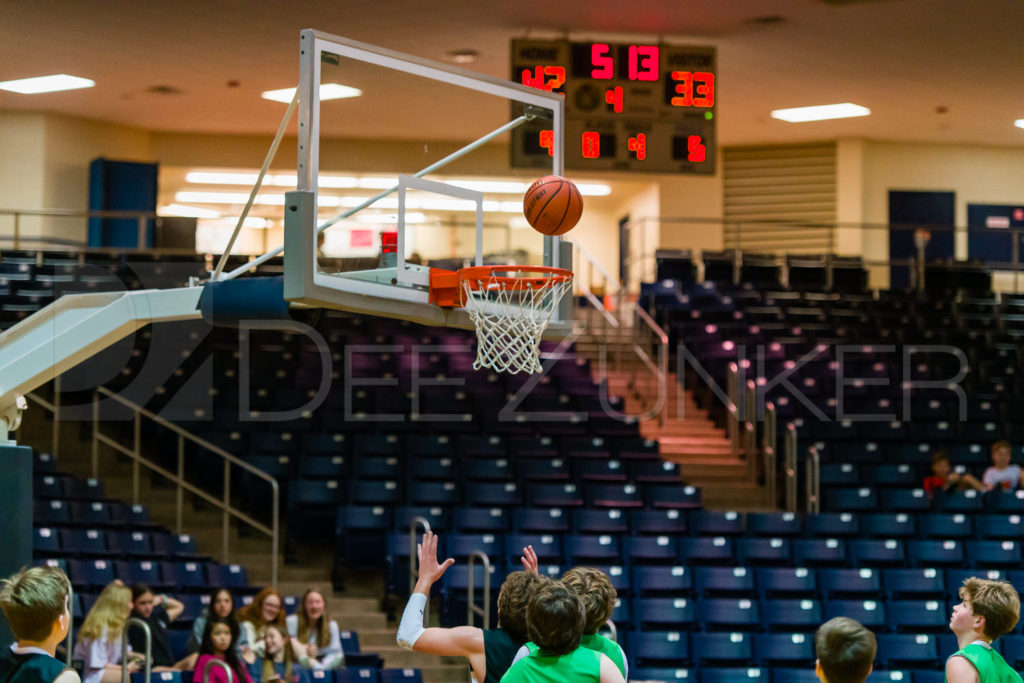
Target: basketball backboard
439	203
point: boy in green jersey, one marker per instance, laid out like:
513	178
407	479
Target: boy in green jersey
555	619
845	651
36	603
987	610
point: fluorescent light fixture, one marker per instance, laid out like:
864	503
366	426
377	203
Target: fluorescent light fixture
377	183
820	113
328	91
594	189
334	181
41	84
495	186
217	178
188	211
1019	123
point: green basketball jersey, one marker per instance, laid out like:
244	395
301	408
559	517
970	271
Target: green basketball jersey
609	648
992	668
582	665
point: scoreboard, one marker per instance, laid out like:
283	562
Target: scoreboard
628	107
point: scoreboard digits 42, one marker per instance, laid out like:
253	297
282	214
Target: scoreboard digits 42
629	107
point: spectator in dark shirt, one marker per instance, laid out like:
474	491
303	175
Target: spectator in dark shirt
943	478
158	611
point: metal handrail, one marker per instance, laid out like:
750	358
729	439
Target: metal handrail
733	419
790	465
229	674
485	611
643	320
413	573
750	426
143	217
768	450
813	481
224	503
148	665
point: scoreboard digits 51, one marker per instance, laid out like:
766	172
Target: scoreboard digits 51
637	107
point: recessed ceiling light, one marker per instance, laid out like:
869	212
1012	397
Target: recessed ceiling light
821	113
328	91
462	56
1019	123
41	84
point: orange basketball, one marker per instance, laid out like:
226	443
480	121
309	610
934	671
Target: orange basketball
553	205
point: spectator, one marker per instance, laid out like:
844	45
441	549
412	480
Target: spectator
35	604
490	653
282	660
99	639
1002	475
987	610
222	604
266	609
845	651
943	478
158	611
318	634
220	642
555	618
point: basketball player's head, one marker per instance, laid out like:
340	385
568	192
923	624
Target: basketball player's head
845	650
988	609
36	604
596	592
512	601
555	618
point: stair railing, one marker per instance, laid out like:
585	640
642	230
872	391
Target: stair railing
733	388
413	570
178	478
768	451
750	427
790	465
650	340
148	664
813	481
229	675
485	611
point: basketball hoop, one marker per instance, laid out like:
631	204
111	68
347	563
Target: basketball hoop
511	307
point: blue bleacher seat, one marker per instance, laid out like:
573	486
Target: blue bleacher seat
178	545
955	578
435	493
548	547
943	526
723	649
357	674
558	495
870	613
914	583
230	575
132	572
969	501
833	524
45	542
708	523
480	520
806	675
729	613
662	674
849	583
887	525
774	524
160	676
993	554
875	552
650	549
851	499
91	573
735	675
349	642
1011	646
588	549
918	616
774	582
658	521
437	517
674	612
712	581
791	614
999	526
544	520
185	574
659	649
763	551
716	550
666	496
905	649
819	551
935	553
654	580
360	492
492	494
460	546
401	676
83	542
784	649
907	500
602	521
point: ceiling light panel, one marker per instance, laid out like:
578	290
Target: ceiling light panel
44	84
822	112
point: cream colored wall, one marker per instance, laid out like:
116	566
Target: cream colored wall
684	198
849	196
22	136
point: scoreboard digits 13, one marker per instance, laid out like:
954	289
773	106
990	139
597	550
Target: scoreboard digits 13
635	107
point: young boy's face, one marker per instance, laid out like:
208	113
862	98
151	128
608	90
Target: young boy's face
1001	458
963	619
940	468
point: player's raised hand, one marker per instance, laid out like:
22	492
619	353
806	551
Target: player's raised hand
529	560
426	550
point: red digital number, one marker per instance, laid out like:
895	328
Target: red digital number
614	98
638	145
601	60
547	141
701	84
591	145
544	77
643	62
695	150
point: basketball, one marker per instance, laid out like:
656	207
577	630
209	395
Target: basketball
553	205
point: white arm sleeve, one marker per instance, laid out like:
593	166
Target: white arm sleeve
411	627
523	652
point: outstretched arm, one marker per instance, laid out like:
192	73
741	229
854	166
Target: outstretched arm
410	629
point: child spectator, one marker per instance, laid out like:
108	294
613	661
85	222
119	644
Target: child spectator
35	604
282	660
99	639
158	611
222	604
845	651
943	478
220	642
555	618
318	634
266	609
987	610
1002	475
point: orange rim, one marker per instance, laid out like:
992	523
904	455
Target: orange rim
477	276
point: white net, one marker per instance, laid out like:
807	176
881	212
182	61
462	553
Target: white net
511	314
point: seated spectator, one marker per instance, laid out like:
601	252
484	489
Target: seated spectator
158	611
266	608
35	603
555	619
943	478
222	604
1002	475
220	642
99	639
283	658
317	633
